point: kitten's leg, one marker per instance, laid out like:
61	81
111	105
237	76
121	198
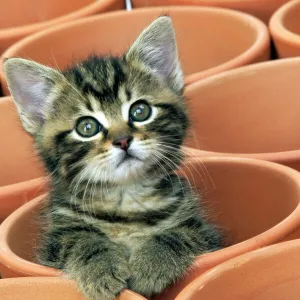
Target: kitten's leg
164	258
99	266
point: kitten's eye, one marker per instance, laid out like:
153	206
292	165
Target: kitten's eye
140	111
88	127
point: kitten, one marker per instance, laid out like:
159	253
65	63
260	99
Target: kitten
109	130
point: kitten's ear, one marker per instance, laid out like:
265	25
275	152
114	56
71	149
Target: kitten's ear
156	48
31	86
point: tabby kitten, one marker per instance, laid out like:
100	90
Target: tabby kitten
109	130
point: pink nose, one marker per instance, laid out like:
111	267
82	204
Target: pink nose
123	143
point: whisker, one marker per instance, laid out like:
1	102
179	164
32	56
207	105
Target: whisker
203	168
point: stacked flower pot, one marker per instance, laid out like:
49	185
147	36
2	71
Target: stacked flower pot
242	152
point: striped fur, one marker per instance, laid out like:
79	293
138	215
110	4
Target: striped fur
109	223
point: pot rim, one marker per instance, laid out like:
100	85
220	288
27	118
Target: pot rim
6	190
243	259
283	157
33	281
274	234
260	45
277	28
92	8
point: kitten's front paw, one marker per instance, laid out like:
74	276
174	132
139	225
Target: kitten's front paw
155	267
102	277
108	285
146	279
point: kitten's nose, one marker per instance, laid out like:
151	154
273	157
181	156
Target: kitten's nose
123	143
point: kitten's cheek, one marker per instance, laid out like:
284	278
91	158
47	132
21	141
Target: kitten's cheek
107	146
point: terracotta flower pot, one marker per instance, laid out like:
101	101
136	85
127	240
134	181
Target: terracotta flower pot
210	40
285	29
18	161
21	18
243	196
271	273
261	9
249	112
14	195
47	288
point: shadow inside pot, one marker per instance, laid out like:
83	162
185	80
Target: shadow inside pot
285	29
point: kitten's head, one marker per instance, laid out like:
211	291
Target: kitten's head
107	118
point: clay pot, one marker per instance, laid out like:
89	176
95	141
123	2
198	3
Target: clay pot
18	164
285	29
248	112
14	195
21	18
261	9
243	196
47	288
271	273
18	161
204	35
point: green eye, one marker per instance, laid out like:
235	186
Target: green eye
140	111
88	127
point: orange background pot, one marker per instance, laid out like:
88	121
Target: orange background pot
262	9
285	29
210	40
14	195
18	161
249	112
47	288
19	166
271	273
20	18
243	196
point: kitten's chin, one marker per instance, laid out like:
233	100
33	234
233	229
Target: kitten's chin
128	170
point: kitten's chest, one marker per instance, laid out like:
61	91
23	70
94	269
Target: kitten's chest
122	228
128	235
126	201
123	215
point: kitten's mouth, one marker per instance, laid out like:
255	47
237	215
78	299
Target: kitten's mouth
128	158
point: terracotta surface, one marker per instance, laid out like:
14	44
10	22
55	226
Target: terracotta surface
14	195
271	273
47	288
18	161
249	112
285	29
210	40
20	18
19	166
261	9
243	196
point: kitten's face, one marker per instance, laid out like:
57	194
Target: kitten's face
107	119
116	128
